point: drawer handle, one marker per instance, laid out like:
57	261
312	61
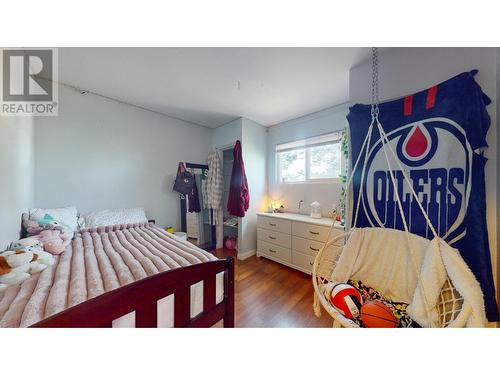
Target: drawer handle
312	248
311	263
313	232
271	237
272	224
272	251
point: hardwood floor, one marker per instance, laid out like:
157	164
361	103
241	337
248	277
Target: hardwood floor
268	294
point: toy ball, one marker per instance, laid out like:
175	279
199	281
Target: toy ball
346	299
375	314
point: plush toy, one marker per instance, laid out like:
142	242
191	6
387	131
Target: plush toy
28	243
34	227
48	222
54	241
16	266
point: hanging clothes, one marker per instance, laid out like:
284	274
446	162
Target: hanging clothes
194	199
215	184
239	198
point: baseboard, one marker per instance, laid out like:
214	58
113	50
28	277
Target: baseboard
246	254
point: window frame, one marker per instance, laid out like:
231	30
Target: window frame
308	180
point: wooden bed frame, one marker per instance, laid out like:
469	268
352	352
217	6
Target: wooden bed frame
142	296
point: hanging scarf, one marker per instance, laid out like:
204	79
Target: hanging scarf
193	199
239	198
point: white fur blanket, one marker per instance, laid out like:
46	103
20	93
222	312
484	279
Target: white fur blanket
96	261
389	260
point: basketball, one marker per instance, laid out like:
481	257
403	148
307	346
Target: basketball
375	314
346	299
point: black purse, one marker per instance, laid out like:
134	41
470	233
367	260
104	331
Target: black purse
184	180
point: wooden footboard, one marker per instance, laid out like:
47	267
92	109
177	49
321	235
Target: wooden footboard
142	297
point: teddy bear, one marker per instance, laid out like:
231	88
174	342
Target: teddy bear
18	265
54	241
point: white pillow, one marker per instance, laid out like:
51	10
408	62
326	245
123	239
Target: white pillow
114	217
65	215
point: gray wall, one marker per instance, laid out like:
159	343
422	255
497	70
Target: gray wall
225	135
16	174
253	143
16	171
100	154
254	157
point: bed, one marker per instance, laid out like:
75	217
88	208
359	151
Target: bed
125	276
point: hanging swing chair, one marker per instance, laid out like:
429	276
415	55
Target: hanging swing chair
397	263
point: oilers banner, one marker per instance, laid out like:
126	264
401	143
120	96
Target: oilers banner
439	136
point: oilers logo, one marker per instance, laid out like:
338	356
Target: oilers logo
433	152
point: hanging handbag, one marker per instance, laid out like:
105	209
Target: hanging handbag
184	180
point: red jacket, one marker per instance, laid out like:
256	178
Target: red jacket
239	198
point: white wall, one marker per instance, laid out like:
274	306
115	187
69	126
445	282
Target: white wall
253	143
226	135
289	195
16	174
16	171
100	154
254	156
404	71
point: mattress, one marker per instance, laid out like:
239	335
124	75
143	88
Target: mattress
100	260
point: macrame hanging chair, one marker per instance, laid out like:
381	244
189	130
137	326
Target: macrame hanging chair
447	308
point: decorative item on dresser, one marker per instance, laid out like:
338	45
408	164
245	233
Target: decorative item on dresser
292	239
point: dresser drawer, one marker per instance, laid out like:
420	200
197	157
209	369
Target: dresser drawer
311	231
274	251
276	238
278	225
306	246
304	262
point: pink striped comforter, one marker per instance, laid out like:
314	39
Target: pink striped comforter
97	261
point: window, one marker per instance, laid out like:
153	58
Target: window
317	159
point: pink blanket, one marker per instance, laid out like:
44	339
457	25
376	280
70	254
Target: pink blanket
97	261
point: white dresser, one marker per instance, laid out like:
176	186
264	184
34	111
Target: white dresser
292	239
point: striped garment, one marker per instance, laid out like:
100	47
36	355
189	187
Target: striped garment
215	183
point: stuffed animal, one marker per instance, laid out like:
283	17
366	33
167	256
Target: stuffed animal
54	241
48	222
16	266
28	243
34	227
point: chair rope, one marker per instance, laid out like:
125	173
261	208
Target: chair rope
407	180
385	142
449	296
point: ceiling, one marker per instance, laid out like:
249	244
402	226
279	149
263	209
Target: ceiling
213	86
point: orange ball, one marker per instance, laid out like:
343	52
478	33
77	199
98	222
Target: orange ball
375	314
